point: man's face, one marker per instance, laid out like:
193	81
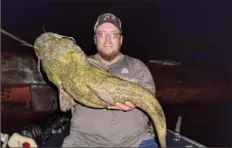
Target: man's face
108	41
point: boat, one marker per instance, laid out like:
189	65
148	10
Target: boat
22	83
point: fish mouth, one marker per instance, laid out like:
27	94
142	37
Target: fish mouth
71	38
48	36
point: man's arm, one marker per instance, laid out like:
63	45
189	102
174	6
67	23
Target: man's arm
144	76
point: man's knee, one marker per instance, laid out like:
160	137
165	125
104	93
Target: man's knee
68	142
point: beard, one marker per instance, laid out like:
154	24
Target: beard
108	56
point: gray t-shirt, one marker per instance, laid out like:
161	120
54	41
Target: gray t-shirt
102	127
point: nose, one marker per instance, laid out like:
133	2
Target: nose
108	37
108	40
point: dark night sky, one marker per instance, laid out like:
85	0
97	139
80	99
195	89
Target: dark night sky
183	30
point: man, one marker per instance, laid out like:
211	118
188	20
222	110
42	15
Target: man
116	126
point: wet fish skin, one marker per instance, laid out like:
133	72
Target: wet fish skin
89	83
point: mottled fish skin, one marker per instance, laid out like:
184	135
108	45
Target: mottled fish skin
67	66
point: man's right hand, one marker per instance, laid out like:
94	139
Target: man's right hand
124	107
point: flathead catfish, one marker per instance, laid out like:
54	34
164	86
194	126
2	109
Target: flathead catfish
88	82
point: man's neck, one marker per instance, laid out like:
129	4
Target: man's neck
116	59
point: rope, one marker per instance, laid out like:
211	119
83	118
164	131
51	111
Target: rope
16	38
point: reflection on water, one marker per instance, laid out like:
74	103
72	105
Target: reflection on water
207	122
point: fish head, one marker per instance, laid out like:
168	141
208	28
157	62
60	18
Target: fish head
49	42
56	47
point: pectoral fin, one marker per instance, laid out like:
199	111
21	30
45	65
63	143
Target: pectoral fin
102	94
66	102
98	64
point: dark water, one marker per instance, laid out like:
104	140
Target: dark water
207	122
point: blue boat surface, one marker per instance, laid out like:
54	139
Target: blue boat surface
181	141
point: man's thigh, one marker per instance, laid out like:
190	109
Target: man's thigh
69	142
73	141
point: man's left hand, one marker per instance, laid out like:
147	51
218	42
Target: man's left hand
124	107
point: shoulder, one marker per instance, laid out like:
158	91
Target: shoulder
132	61
141	73
92	56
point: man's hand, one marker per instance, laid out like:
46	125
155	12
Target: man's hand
66	103
124	107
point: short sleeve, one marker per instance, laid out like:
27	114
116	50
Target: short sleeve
144	76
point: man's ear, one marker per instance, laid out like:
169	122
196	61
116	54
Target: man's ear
94	38
121	39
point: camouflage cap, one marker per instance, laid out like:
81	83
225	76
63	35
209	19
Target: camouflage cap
108	18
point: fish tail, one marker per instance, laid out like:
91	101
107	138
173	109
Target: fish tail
155	112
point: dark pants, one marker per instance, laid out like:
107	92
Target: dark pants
151	143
